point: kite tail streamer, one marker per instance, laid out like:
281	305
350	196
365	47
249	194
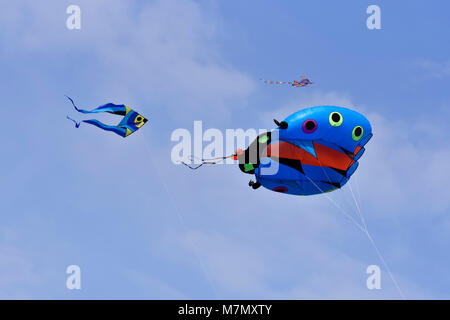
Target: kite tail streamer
205	161
212	160
275	82
196	167
73	103
109	107
77	124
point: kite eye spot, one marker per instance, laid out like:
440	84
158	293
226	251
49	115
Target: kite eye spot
335	119
357	133
280	189
309	126
138	118
263	139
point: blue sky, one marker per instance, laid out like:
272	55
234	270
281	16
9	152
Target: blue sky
141	227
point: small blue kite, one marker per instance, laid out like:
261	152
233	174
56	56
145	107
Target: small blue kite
130	123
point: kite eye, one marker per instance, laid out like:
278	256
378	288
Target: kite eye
139	118
309	126
336	119
357	133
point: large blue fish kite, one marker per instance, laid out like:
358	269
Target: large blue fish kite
130	123
313	151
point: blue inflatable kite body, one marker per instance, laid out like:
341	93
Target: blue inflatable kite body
312	151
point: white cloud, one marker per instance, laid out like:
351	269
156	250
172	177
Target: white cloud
233	266
164	51
434	69
311	270
153	288
17	272
404	164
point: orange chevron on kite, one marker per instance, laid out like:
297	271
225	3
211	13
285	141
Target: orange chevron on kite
326	157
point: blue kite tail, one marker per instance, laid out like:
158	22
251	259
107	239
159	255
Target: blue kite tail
118	109
73	103
77	124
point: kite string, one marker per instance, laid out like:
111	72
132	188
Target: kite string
331	199
361	217
182	222
366	232
369	236
358	209
336	205
358	195
380	256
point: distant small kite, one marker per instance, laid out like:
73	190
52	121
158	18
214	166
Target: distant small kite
305	82
130	123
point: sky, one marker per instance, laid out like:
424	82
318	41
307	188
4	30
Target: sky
142	227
